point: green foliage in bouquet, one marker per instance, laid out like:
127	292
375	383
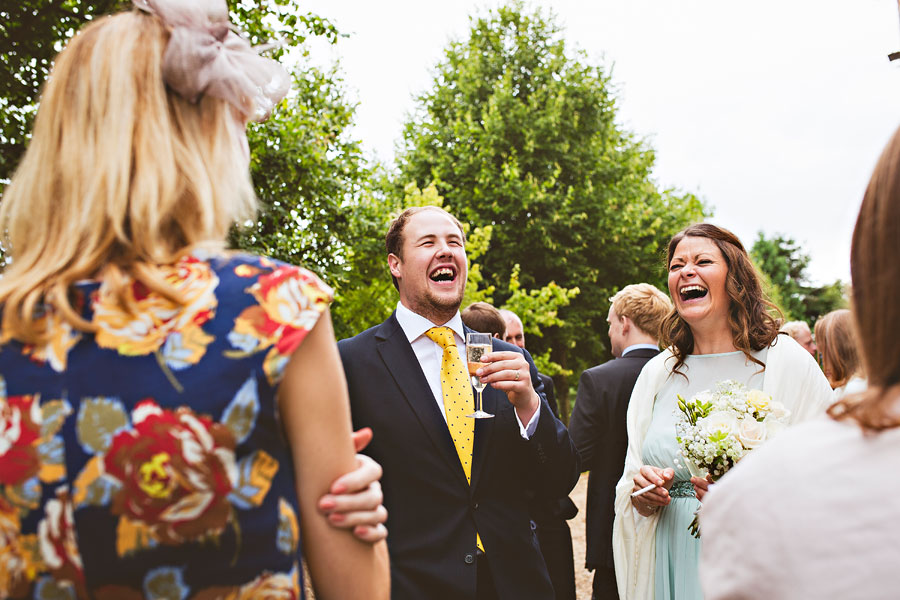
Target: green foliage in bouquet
693	409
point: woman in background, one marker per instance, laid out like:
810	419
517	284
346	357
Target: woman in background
838	348
813	514
720	328
170	413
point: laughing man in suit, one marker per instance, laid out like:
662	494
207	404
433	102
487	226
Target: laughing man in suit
455	488
598	421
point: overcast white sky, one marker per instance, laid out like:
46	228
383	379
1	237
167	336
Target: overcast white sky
773	111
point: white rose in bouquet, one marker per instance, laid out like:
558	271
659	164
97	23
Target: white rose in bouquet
773	425
779	411
752	433
720	421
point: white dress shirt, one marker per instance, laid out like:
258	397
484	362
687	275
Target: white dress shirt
639	347
430	355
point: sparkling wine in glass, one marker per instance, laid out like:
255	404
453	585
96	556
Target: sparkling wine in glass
477	345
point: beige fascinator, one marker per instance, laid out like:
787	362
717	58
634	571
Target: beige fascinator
205	55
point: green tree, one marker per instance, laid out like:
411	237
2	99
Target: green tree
824	299
520	134
307	170
33	31
783	260
539	310
305	165
784	263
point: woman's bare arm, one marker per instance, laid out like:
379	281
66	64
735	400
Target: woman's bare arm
316	413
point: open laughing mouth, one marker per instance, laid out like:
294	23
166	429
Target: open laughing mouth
443	274
692	292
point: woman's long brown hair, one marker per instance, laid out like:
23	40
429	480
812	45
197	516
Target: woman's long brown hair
753	326
838	346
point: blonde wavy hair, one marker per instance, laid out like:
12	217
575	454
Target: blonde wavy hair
121	177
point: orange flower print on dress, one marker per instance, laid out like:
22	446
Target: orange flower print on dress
176	470
290	301
63	337
56	351
156	325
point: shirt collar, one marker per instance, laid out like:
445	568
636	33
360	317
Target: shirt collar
415	325
639	347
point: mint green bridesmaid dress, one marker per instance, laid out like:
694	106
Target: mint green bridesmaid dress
677	551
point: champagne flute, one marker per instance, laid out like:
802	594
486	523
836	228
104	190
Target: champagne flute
477	345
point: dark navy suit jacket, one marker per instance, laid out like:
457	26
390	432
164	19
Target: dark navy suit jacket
433	512
598	428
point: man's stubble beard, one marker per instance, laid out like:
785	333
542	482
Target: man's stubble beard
436	309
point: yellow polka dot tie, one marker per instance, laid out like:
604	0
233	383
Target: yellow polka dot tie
456	389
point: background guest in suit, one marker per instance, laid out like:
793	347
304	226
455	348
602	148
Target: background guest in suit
598	421
799	330
455	487
515	334
481	316
551	517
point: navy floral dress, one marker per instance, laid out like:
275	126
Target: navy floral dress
148	460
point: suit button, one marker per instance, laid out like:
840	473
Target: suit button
475	506
470	558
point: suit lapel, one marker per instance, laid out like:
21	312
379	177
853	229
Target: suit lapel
401	361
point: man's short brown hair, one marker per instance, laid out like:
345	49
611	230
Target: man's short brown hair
484	318
644	304
393	241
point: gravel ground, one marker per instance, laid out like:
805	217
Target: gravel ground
583	577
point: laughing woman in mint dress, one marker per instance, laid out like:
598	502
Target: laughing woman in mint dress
720	329
170	413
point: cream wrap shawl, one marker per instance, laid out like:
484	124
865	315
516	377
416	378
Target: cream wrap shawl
792	377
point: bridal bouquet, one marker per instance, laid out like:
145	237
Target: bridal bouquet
717	428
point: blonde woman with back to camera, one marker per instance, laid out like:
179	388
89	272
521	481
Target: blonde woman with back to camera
814	513
172	416
839	351
720	329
